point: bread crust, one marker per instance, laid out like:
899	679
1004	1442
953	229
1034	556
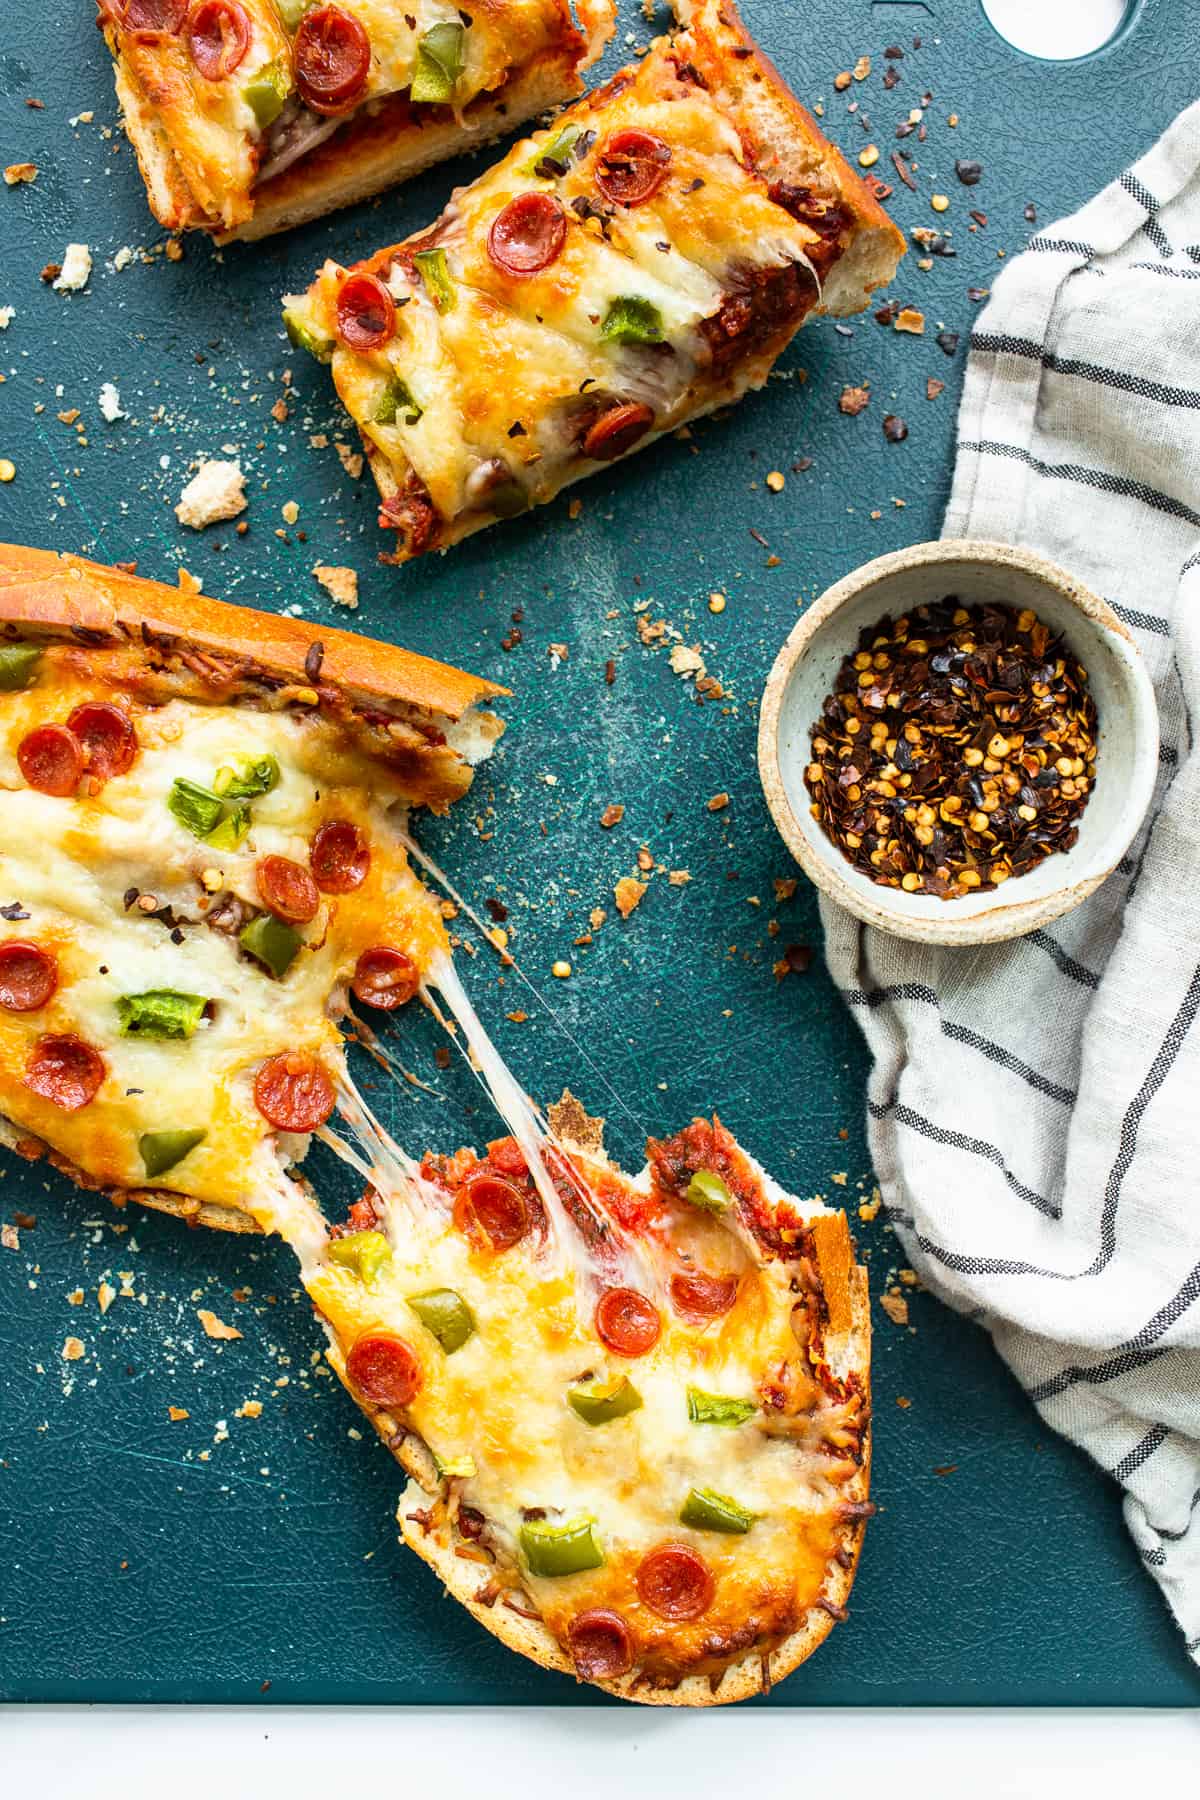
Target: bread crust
54	594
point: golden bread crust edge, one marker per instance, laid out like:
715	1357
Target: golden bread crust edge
58	594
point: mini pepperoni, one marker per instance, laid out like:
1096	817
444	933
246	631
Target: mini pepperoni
152	15
293	1092
631	166
617	431
627	1322
528	234
65	1071
366	312
701	1297
218	36
109	740
675	1582
495	1207
287	888
385	1369
51	759
28	976
333	59
340	857
600	1645
385	978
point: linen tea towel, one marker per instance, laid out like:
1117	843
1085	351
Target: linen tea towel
1034	1107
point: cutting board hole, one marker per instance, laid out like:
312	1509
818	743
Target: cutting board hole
1058	30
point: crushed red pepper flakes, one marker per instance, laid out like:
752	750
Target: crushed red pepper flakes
957	749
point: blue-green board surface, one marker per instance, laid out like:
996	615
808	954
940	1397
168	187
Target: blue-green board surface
224	1557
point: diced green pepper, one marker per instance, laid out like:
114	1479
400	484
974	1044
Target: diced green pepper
17	663
560	1549
247	778
292	11
447	1315
266	92
599	1405
160	1013
705	1510
161	1150
366	1252
437	278
630	320
463	1466
395	398
557	153
232	828
439	63
272	942
303	336
708	1192
197	810
718	1409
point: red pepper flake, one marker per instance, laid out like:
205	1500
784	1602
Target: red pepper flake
978	293
980	218
1030	213
969	173
900	164
854	400
895	429
610	671
933	387
880	189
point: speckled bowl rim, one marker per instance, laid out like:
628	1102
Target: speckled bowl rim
1005	917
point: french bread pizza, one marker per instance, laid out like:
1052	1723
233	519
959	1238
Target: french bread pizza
249	116
633	1412
640	262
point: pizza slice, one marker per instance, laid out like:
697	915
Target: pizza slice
249	116
642	261
203	851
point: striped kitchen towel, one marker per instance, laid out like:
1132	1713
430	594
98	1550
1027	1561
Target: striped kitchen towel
1034	1107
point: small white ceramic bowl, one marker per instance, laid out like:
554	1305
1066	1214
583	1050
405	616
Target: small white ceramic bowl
1127	759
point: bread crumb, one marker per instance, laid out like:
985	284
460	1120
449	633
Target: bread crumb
895	1306
249	1409
685	661
76	269
176	1413
291	511
214	1327
341	584
868	1211
10	1238
189	583
110	404
785	886
73	1349
628	894
612	815
909	319
7	315
18	172
350	460
106	1293
75	1297
718	803
216	491
679	877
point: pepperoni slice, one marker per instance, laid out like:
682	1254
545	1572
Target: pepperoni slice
333	59
293	1092
617	431
600	1645
218	36
675	1582
627	1322
109	740
65	1071
340	857
366	312
528	234
287	888
152	15
631	166
701	1297
385	1369
51	759
491	1206
28	976
385	978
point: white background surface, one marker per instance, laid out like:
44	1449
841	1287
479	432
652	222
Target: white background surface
132	1753
585	1754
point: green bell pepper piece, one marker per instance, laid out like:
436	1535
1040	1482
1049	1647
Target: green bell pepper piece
17	663
560	1549
439	63
463	1466
557	151
197	810
436	276
395	398
598	1405
708	1192
247	778
272	942
266	92
630	320
366	1252
160	1013
232	829
447	1315
705	1510
292	11
718	1409
303	337
161	1150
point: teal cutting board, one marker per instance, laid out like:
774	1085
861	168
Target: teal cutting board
223	1557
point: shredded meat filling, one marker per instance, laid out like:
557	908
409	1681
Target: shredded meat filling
764	305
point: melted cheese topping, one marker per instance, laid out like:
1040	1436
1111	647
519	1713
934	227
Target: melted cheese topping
508	374
213	128
72	863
